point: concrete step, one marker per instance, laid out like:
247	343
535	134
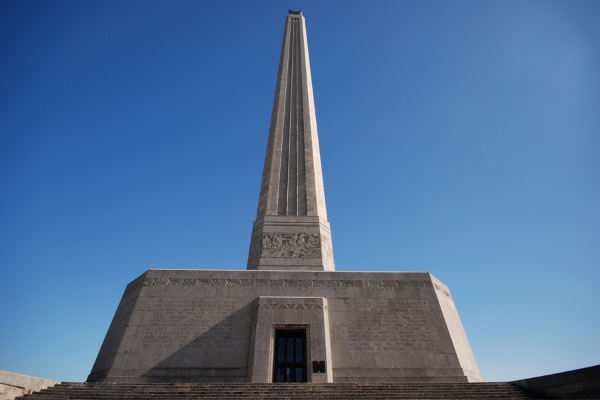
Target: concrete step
289	391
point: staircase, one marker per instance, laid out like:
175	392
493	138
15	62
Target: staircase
288	391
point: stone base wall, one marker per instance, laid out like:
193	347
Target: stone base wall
581	383
15	385
218	326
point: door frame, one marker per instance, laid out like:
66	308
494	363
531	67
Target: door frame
305	353
272	313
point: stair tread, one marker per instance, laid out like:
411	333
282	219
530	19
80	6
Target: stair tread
286	391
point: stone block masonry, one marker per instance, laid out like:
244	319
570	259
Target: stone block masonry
289	317
14	385
218	326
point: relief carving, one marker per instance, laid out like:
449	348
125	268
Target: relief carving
330	283
292	306
285	245
445	293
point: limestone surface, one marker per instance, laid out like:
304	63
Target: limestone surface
14	385
291	229
218	326
290	317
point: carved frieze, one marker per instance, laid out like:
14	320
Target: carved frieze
292	306
328	283
439	289
287	245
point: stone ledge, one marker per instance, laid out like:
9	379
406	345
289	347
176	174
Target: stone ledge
14	385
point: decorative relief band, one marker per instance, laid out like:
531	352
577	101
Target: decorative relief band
439	289
283	282
292	306
285	245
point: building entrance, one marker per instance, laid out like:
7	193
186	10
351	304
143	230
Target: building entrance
290	357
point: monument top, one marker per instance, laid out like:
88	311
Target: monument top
291	229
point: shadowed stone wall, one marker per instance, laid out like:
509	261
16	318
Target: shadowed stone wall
217	326
581	383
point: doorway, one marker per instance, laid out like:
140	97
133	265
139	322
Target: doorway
290	356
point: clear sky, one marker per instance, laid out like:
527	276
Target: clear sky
460	138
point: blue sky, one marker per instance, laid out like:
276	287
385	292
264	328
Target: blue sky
459	138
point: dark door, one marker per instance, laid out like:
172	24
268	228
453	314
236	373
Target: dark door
290	363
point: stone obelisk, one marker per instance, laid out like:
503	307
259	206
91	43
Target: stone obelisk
291	231
290	317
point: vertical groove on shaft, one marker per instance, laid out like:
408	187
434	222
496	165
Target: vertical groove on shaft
285	145
292	182
293	169
301	192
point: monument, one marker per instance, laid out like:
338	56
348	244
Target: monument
290	317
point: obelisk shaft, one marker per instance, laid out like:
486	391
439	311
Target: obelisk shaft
291	230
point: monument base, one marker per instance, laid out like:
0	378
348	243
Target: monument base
237	326
301	243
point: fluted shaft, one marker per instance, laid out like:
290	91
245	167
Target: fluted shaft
292	179
292	194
